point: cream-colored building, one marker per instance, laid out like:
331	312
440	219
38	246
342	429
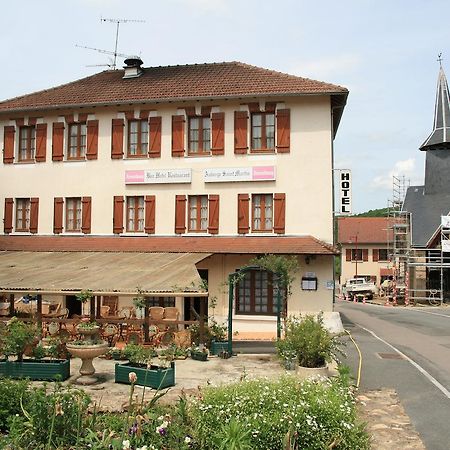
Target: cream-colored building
209	165
364	248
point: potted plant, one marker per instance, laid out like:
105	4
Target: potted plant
17	336
310	342
199	353
151	370
219	340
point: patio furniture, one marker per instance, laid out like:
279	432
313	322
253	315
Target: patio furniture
156	313
104	311
110	333
4	309
171	314
113	302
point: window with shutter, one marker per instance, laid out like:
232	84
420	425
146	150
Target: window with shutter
283	130
135	214
8	144
213	204
243	213
23	207
198	213
58	141
180	214
240	132
262	212
41	142
34	215
77	139
73	214
150	214
8	215
155	137
263	132
199	142
118	215
27	144
117	139
178	136
383	254
86	206
92	139
58	215
137	138
218	133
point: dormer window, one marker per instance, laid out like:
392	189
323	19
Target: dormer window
27	143
77	141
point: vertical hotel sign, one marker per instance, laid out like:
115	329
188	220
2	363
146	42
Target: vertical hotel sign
345	198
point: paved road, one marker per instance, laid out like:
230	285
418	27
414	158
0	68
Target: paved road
422	381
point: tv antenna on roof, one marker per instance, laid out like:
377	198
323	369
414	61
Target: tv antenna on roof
114	53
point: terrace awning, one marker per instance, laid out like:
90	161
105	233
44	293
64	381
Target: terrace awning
99	272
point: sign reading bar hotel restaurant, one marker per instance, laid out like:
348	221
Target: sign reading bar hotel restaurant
225	174
345	200
158	176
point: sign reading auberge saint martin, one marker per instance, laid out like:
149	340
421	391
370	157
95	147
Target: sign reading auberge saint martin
345	199
226	174
158	176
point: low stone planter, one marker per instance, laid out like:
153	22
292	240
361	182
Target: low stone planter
308	372
199	356
45	369
155	377
218	346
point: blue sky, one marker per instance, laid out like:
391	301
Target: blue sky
383	51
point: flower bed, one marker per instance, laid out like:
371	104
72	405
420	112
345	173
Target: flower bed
155	377
49	370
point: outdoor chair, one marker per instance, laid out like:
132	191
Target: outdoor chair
156	313
171	314
113	303
111	334
104	311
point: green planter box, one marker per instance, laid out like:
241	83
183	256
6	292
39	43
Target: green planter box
47	370
199	356
217	347
154	377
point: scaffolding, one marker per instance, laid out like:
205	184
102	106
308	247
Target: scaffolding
399	238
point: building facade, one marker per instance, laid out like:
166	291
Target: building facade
222	161
364	243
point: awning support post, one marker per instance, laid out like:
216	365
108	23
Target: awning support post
278	308
39	310
98	309
146	322
92	309
202	323
11	305
230	313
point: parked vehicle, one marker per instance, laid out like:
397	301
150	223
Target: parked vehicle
359	286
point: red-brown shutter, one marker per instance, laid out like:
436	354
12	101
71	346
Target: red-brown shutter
218	133
58	215
150	214
348	254
34	214
86	206
283	130
240	132
213	226
117	139
177	136
118	214
365	254
154	150
41	142
279	209
180	214
92	139
7	219
58	141
375	255
243	213
8	144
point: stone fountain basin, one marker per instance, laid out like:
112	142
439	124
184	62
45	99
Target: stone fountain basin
87	351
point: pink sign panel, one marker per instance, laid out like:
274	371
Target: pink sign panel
263	173
134	176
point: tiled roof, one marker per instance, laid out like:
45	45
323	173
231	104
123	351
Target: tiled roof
370	230
186	244
158	84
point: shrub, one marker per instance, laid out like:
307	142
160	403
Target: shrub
17	337
137	354
213	331
319	413
309	340
11	392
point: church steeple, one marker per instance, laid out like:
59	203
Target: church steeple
439	138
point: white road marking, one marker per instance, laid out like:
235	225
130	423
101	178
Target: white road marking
419	368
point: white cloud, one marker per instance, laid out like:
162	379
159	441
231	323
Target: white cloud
401	168
327	68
